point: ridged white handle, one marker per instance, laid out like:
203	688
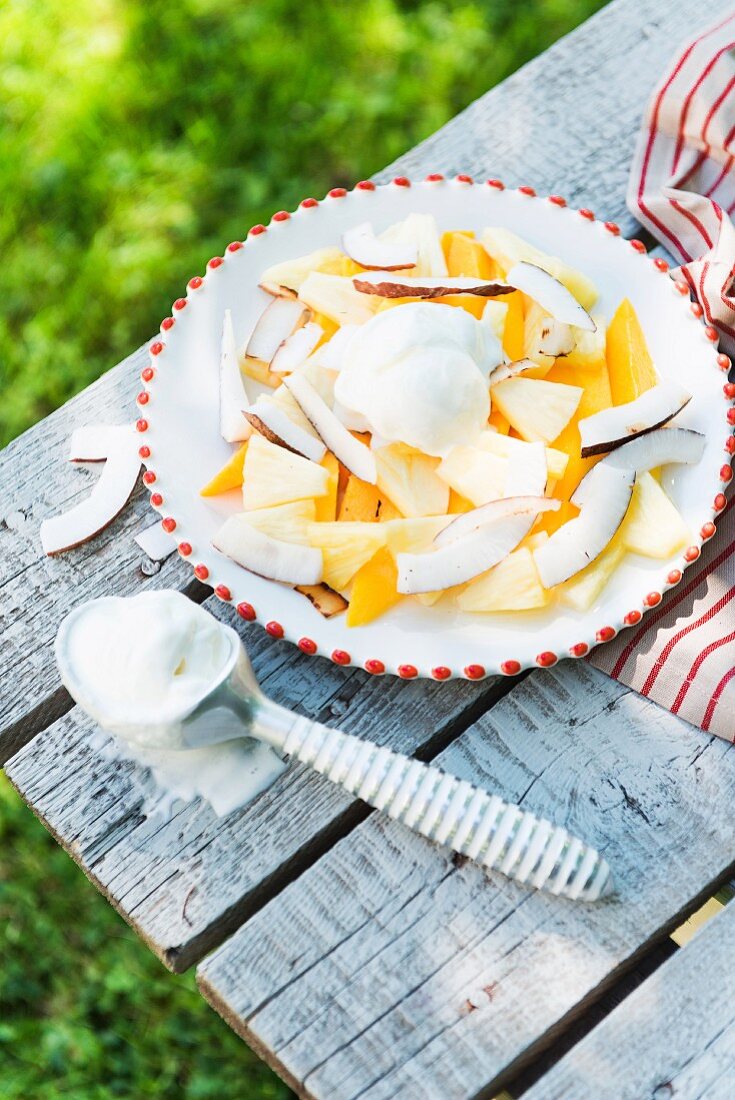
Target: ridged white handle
497	835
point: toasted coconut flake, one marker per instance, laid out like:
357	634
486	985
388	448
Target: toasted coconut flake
550	294
384	286
503	371
367	250
326	601
278	320
353	454
273	423
105	502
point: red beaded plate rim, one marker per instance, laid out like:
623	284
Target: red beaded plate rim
374	665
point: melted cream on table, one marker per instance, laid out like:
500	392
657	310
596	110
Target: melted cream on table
139	667
417	374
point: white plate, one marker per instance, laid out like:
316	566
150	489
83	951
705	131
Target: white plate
179	424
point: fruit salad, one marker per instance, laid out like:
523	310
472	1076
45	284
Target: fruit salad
444	417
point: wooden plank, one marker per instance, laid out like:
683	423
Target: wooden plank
36	481
673	1037
567	121
186	884
388	969
548	125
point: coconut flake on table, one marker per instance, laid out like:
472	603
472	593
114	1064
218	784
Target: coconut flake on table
233	396
155	542
107	499
93	442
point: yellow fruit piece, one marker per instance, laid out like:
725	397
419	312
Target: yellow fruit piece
466	256
475	474
374	589
414	535
508	249
458	503
535	539
595	396
409	479
292	273
273	475
508	446
533	324
345	548
326	506
589	347
498	422
514	323
580	592
326	323
512	585
539	410
363	503
287	522
260	371
653	526
629	364
229	477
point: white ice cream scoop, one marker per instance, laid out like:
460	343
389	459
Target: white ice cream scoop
165	675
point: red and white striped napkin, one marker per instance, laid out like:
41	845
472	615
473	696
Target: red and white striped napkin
682	188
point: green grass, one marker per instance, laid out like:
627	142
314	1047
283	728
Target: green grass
137	137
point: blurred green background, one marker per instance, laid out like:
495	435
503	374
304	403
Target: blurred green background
137	137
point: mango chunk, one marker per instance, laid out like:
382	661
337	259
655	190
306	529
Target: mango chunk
374	589
364	503
629	363
326	506
229	477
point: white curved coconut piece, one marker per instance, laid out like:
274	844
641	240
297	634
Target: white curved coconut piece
276	323
93	442
550	294
273	423
658	448
296	348
492	512
367	250
233	397
384	285
556	338
611	428
603	496
460	560
272	558
107	499
353	454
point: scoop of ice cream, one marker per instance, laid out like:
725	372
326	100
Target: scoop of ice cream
417	374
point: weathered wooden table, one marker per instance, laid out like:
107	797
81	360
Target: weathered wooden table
356	958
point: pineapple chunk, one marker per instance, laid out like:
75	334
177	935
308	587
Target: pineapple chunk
229	477
535	539
414	535
509	249
287	522
581	591
421	231
374	589
291	274
335	296
273	475
260	371
628	360
589	347
653	526
409	479
537	409
326	506
506	446
495	316
346	547
512	585
362	502
533	325
475	474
